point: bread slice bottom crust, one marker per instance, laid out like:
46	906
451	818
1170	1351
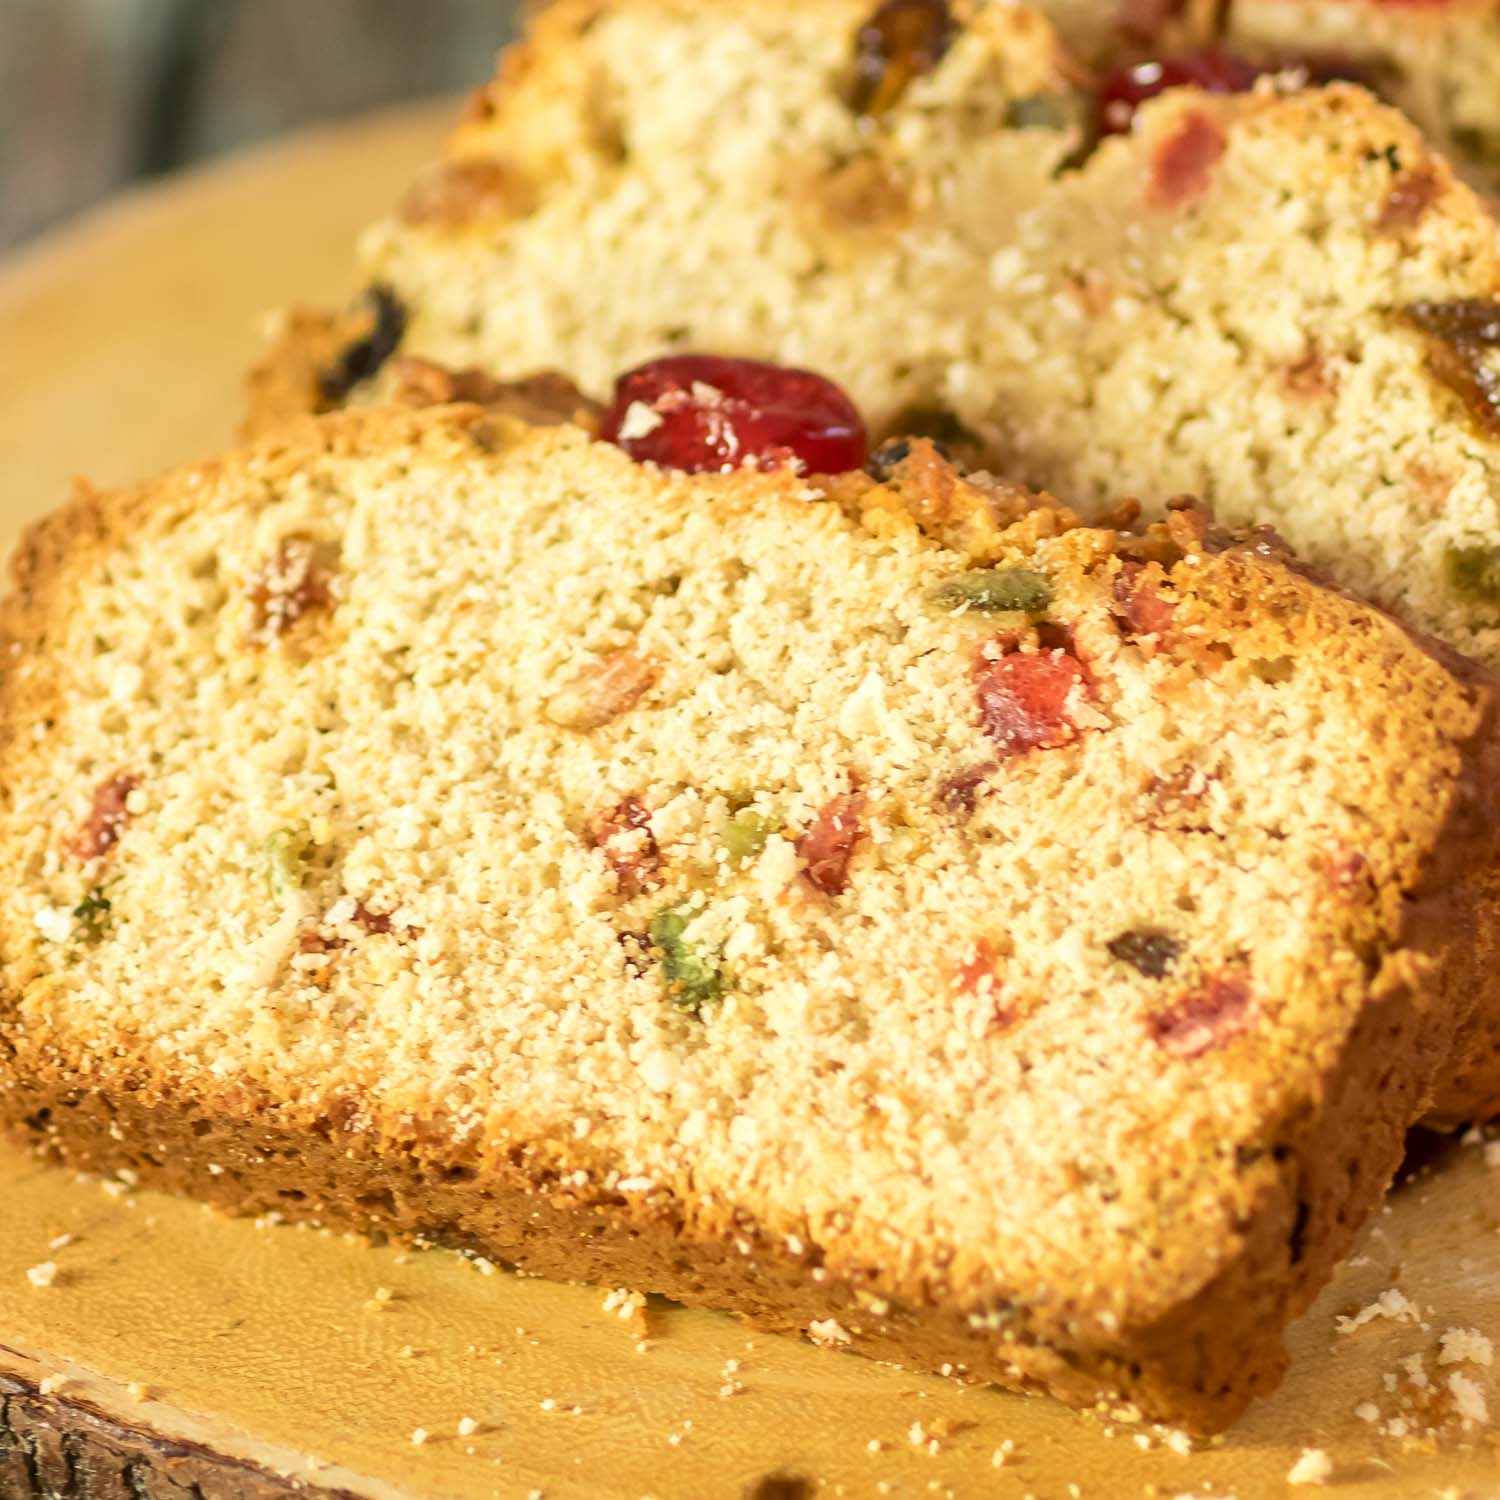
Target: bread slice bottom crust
1198	1368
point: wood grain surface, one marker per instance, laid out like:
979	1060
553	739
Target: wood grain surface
177	1355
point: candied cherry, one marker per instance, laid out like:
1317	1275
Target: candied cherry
704	413
1123	90
1025	699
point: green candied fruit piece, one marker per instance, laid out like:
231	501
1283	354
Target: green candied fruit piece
992	590
1042	112
1475	571
692	980
282	855
91	916
745	834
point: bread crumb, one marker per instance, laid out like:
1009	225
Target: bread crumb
1392	1303
828	1331
1465	1346
52	1383
44	1274
1312	1467
1178	1442
467	1427
1492	1153
1468	1399
1367	1411
418	1436
61	1242
136	1390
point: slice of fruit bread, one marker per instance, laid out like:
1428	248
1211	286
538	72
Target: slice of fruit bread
1283	303
876	903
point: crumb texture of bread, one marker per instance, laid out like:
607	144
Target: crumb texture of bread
523	829
1282	302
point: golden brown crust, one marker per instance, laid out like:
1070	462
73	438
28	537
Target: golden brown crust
1198	1367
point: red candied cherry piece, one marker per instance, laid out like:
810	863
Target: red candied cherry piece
703	413
1207	1018
1024	699
1123	90
828	846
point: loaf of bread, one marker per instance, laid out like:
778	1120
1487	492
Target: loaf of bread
1284	303
882	906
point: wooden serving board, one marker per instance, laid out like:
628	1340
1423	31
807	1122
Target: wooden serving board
178	1355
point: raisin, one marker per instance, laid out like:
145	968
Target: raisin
992	590
1462	337
107	817
364	358
902	40
1475	572
1024	699
692	980
1148	950
704	414
828	846
1123	90
959	792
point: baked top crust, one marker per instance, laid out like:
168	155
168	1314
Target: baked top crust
472	789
